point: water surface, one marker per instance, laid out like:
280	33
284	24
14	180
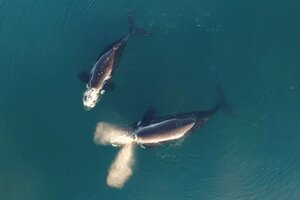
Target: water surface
46	137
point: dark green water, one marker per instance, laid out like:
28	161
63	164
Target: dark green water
46	138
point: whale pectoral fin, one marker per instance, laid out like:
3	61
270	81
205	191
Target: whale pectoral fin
148	115
109	86
84	77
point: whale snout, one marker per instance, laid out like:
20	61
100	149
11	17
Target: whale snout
90	98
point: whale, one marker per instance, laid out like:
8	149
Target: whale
99	79
153	130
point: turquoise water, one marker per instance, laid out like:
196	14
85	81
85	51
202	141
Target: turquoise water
46	137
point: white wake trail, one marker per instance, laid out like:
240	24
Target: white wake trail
121	168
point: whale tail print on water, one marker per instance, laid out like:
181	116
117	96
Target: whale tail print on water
121	168
108	134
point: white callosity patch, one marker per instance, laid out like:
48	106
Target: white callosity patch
121	168
90	98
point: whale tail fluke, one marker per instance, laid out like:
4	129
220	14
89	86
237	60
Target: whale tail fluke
221	100
134	29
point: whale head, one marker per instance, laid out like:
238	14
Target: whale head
90	98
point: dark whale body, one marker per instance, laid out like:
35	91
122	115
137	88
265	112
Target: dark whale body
106	63
152	130
98	81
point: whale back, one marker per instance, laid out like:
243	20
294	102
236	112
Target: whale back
163	131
